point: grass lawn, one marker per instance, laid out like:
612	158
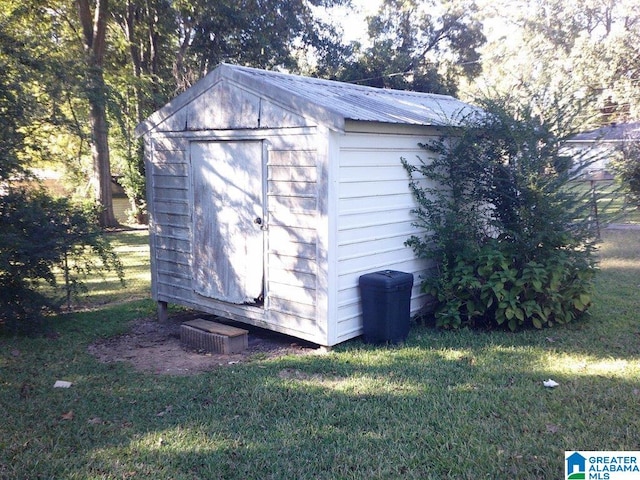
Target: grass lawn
446	405
613	206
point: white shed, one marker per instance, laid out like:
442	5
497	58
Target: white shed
270	195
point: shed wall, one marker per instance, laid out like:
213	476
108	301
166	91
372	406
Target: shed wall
291	199
374	218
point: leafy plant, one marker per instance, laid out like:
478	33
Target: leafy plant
40	237
134	184
626	167
507	229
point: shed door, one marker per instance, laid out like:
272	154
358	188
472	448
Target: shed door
228	240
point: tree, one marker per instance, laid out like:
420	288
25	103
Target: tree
419	45
258	33
38	234
508	234
626	167
94	31
140	82
591	47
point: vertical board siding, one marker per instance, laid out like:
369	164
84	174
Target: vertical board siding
292	208
168	181
292	214
374	218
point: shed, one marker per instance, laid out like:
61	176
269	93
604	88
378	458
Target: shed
270	194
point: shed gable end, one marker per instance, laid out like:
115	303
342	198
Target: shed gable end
224	106
228	106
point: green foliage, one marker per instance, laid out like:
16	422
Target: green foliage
591	47
509	234
41	236
263	34
134	183
426	46
492	287
626	167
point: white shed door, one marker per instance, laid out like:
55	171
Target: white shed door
228	241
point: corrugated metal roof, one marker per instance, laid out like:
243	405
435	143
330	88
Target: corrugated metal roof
616	132
369	104
328	102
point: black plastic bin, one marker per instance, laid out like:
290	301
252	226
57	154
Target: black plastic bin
386	298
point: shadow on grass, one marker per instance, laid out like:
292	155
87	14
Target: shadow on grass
446	405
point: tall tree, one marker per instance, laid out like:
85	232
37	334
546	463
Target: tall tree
258	33
39	235
141	79
590	48
422	45
94	31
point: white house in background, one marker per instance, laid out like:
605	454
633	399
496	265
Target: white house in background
599	146
270	195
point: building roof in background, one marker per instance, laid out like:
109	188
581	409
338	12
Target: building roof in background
616	132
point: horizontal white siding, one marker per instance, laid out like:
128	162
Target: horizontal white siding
292	199
374	218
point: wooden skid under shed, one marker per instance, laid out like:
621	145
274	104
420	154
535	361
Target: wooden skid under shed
213	337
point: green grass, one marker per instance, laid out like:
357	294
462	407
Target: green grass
132	247
446	405
613	206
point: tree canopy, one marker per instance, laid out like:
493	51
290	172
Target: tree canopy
80	74
589	49
425	46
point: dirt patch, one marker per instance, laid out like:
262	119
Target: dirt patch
154	347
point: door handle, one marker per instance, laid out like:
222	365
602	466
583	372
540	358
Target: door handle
260	222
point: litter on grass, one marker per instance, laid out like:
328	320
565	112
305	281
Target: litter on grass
62	384
550	383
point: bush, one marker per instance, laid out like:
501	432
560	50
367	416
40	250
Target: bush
41	238
626	167
510	238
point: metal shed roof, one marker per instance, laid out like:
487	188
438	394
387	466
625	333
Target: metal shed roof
369	104
329	101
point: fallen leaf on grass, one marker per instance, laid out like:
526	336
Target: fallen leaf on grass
95	421
67	416
551	428
167	409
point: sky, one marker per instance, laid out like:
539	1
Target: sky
353	21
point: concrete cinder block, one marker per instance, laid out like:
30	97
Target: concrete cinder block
213	337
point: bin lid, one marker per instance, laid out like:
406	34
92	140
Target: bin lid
387	279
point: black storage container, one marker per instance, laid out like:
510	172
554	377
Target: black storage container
386	297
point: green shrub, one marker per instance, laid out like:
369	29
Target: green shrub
41	239
509	236
626	167
495	287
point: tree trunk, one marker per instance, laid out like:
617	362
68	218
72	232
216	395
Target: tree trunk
100	152
94	36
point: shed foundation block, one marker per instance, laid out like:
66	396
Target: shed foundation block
213	337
